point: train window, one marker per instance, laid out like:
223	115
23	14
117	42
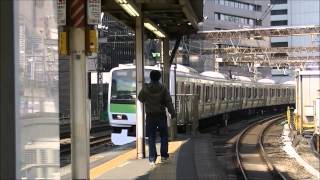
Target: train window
211	92
248	93
265	92
181	89
236	93
207	94
242	92
278	92
254	92
215	93
187	89
272	93
223	93
199	92
261	92
191	88
229	92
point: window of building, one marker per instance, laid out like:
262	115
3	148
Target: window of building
217	16
279	44
279	12
258	22
257	8
278	1
237	19
279	23
239	5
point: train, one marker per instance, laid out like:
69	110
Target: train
196	96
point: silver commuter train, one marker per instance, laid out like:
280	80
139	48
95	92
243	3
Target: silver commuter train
211	92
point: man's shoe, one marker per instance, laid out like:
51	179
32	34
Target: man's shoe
164	159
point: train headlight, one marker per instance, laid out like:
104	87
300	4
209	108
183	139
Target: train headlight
119	117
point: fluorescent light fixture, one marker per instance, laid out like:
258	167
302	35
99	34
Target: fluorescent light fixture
153	28
129	7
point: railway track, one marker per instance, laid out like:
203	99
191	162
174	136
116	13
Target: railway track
97	140
97	126
250	154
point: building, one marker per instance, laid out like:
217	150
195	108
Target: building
231	14
291	13
224	15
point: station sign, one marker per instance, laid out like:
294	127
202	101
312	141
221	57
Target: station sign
61	12
93	12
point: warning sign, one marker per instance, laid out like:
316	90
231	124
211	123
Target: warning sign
93	11
61	12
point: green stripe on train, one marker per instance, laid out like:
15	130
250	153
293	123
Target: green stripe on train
123	108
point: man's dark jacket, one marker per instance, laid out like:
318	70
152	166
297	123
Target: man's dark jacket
156	97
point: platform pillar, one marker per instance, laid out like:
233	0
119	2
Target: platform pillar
140	124
80	148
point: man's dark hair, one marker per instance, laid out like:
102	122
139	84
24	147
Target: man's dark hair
155	75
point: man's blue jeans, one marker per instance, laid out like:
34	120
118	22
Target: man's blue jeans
152	123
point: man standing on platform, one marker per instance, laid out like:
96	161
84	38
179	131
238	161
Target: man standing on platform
156	98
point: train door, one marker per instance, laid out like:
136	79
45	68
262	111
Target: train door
223	98
214	98
265	96
199	94
242	97
237	98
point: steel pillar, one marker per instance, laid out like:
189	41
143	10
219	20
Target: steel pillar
166	61
80	149
165	47
140	127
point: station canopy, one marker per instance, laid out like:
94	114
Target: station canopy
174	17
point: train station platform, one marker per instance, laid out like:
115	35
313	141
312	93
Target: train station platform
190	158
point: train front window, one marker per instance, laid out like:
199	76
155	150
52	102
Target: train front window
123	87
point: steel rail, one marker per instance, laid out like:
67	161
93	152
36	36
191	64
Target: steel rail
264	155
239	138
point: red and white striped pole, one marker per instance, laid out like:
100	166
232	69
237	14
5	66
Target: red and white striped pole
80	149
78	13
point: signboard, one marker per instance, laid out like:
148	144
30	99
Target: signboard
93	12
219	60
61	12
155	55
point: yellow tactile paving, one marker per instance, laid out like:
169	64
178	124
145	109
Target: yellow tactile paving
107	166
